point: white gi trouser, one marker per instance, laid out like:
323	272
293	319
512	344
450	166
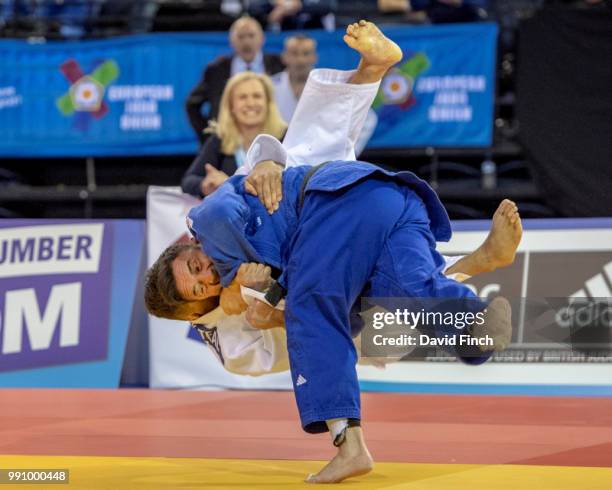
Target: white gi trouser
325	126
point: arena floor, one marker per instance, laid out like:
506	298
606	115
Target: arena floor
137	439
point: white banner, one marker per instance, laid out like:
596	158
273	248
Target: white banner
50	249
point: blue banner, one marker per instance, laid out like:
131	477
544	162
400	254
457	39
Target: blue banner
126	96
66	300
442	92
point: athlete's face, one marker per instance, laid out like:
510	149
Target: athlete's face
195	276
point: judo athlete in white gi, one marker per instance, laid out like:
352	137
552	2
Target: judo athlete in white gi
378	230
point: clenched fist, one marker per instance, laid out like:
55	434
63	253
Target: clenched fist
263	316
231	299
251	275
255	276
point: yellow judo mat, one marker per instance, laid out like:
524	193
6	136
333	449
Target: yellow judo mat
118	473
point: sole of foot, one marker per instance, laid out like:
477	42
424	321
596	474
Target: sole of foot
374	47
497	325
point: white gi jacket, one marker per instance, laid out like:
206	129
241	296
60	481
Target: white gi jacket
241	348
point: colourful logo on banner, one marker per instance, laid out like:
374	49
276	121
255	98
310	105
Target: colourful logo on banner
85	97
396	88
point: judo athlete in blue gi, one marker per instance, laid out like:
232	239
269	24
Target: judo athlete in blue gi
347	229
252	340
359	229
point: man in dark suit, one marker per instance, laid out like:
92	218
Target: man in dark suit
246	38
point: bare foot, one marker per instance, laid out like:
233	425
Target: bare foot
499	249
497	325
353	459
374	47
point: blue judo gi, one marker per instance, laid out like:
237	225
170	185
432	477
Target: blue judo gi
360	230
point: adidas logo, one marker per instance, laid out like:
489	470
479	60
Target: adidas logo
587	307
300	380
596	286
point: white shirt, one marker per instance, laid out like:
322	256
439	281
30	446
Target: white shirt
284	96
239	65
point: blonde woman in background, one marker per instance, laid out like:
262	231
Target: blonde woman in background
247	110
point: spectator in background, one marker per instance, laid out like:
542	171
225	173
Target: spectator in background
48	18
247	109
446	11
299	56
437	11
7	11
7	14
246	39
69	19
281	11
284	15
117	17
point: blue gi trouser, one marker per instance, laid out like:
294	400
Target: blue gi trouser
374	233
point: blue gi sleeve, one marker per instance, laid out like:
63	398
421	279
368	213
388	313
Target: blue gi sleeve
219	224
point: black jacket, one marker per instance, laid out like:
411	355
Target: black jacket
209	153
210	89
